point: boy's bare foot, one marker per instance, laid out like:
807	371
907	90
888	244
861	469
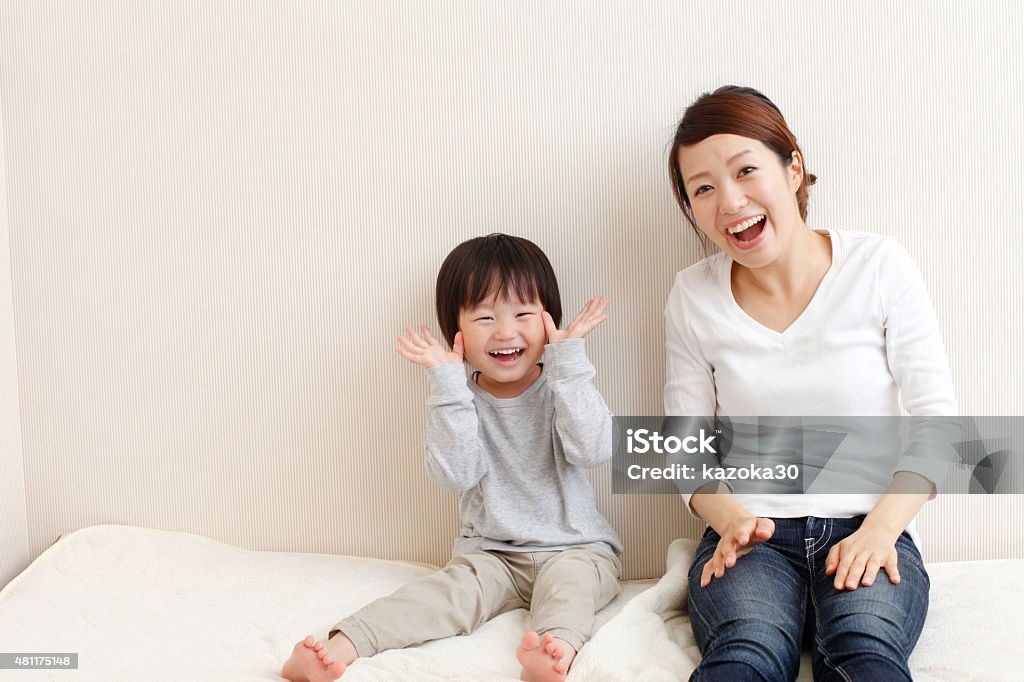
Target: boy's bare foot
544	660
312	662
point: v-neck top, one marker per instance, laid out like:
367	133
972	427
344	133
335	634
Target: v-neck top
867	344
725	272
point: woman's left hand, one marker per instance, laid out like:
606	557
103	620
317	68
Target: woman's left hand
857	558
592	315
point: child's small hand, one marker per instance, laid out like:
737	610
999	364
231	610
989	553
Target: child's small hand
426	351
591	316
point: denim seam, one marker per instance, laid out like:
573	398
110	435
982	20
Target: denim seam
823	540
695	613
829	662
817	619
818	640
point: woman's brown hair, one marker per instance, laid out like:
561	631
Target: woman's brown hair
734	110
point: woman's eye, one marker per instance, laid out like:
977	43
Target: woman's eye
701	190
746	170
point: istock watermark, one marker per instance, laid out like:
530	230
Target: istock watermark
642	441
818	454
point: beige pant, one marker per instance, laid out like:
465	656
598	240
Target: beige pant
562	589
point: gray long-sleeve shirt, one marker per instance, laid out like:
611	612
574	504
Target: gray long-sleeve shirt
519	463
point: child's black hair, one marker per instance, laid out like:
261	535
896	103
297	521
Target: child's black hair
498	263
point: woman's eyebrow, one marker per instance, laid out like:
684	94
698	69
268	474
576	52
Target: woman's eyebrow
728	161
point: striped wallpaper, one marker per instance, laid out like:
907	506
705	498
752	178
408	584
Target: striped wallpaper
13	513
222	214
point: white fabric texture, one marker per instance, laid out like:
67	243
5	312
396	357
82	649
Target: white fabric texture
142	604
157	605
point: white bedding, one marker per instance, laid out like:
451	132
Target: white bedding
146	604
141	604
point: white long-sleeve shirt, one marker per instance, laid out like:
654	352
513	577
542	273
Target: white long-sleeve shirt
867	344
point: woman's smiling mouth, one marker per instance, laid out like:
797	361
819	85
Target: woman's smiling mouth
748	233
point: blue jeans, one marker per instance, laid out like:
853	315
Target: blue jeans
749	624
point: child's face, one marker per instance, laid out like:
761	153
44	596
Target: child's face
504	340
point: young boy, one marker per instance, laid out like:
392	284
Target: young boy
514	441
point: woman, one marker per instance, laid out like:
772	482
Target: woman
786	320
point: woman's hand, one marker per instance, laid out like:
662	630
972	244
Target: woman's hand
739	538
426	351
856	559
591	316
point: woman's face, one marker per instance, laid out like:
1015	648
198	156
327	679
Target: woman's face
743	199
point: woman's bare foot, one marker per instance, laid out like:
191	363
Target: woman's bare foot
544	660
311	661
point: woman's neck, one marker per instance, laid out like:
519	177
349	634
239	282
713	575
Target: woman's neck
802	263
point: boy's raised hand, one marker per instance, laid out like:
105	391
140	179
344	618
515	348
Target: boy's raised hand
426	351
592	315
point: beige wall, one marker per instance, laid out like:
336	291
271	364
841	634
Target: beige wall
221	214
13	512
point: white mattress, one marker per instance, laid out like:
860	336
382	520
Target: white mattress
144	604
